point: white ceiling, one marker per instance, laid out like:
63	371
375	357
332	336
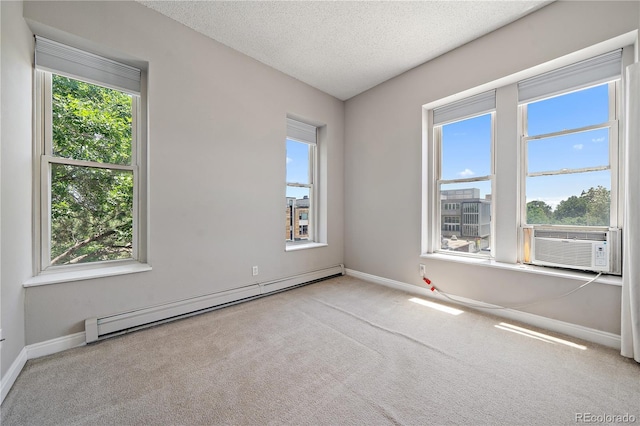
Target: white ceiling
344	47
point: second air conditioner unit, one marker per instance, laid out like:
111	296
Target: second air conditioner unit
573	248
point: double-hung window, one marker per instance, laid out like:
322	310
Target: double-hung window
463	146
570	144
88	149
559	148
301	191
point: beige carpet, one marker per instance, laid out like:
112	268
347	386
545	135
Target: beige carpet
339	352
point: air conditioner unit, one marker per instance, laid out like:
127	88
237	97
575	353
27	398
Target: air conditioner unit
573	248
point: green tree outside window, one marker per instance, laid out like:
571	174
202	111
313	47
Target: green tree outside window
91	207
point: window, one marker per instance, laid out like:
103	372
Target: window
89	149
548	152
463	135
301	163
570	142
451	206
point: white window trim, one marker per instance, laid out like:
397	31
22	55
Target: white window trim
114	267
292	246
43	273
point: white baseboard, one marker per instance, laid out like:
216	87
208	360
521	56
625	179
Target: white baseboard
589	334
36	351
55	345
12	374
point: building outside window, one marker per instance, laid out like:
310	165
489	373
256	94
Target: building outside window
470	229
296	210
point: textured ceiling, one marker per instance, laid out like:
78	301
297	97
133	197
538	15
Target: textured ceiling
342	47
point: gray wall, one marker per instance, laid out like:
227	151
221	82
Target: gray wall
383	154
217	166
16	51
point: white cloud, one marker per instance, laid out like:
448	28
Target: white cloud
578	146
597	139
289	159
466	173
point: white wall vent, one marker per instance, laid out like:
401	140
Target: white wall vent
588	250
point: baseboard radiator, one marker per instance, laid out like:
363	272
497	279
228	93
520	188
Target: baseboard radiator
99	328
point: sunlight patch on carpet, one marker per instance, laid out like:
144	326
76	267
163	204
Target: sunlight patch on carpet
536	335
439	307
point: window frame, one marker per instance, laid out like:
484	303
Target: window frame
508	229
312	213
43	271
435	243
613	124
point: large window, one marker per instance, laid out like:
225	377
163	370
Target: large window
546	148
569	142
301	198
88	148
463	135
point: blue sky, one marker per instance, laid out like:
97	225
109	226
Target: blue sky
466	146
297	167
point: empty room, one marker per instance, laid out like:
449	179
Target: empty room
459	241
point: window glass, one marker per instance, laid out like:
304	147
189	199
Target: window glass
300	193
570	199
297	213
570	111
568	179
466	148
91	214
90	122
469	230
465	185
298	162
571	151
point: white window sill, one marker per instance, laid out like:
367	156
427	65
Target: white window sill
303	246
531	269
56	277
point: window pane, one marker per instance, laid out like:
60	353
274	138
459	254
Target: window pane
570	199
298	165
465	220
571	111
466	148
572	151
90	122
297	214
91	214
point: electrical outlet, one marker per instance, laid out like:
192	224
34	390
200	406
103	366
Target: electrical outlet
423	270
254	271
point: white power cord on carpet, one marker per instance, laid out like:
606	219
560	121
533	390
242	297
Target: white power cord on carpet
472	305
